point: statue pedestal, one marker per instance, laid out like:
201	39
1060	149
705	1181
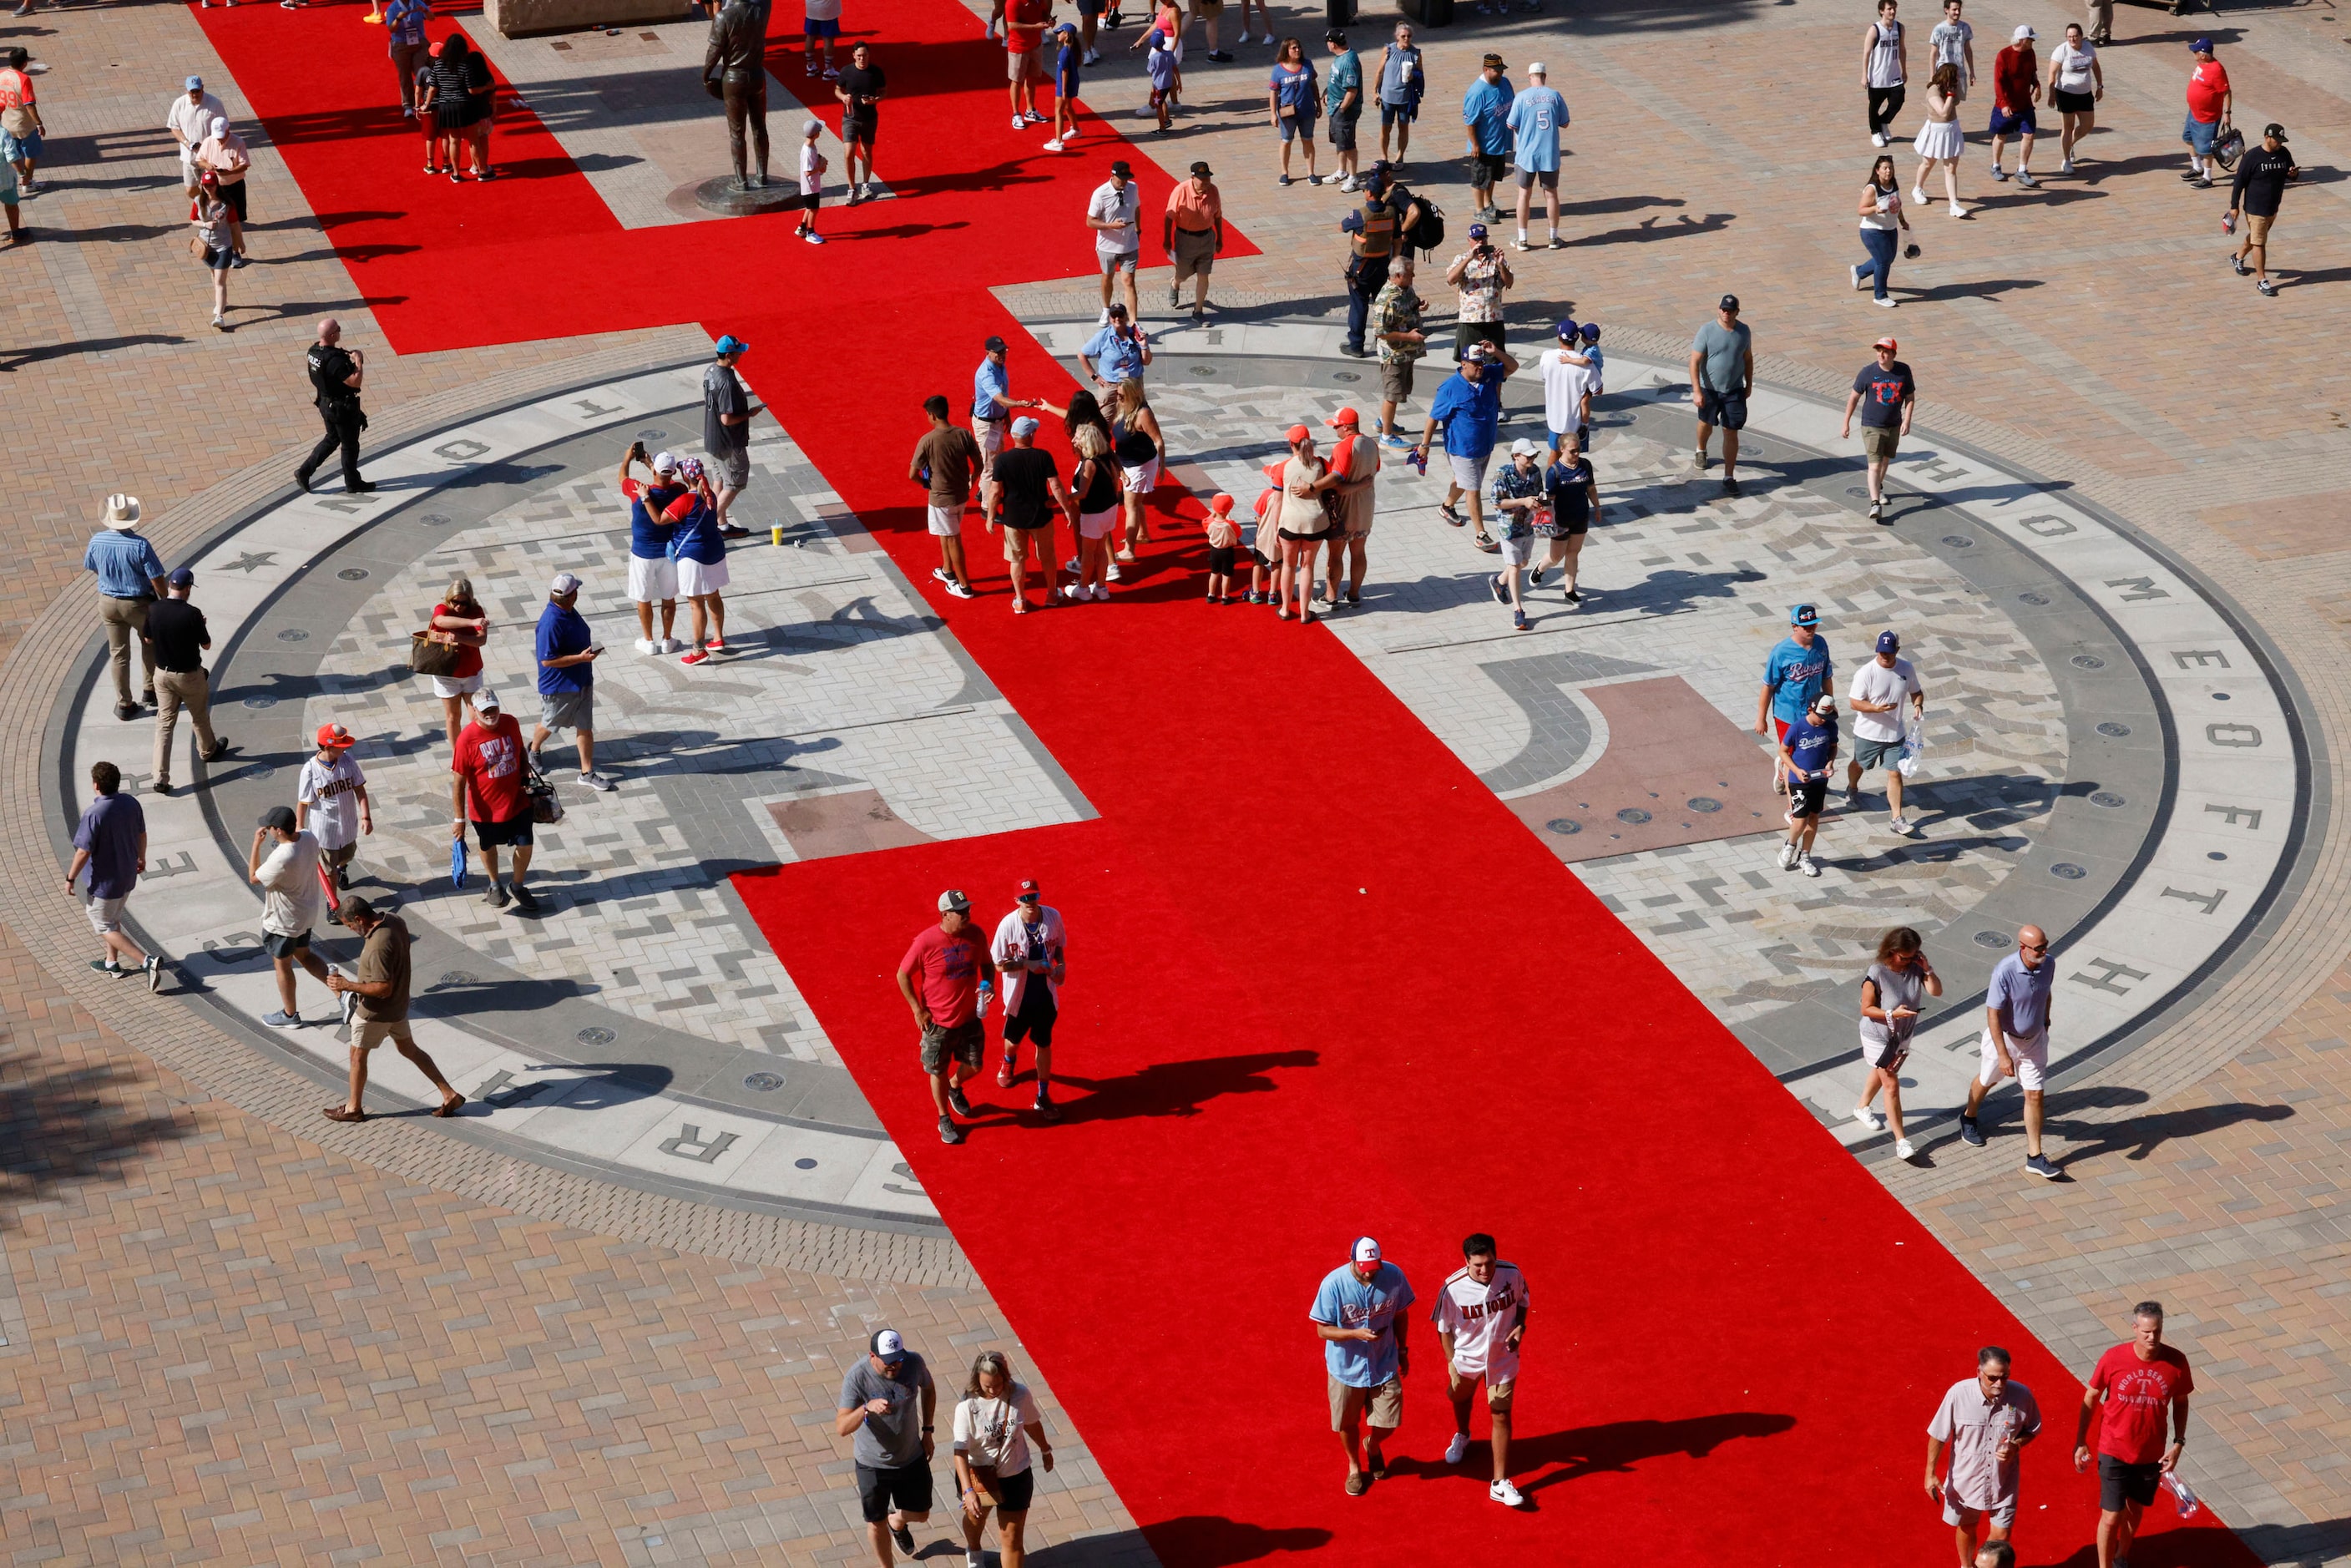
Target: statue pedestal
530	18
718	195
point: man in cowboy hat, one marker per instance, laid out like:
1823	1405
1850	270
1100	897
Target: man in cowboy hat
130	579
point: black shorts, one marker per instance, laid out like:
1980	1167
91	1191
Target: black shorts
1564	525
1727	409
1031	1022
861	131
1343	138
279	946
1806	797
1304	538
490	835
2119	1483
1220	560
2065	102
906	1488
1487	170
1014	1493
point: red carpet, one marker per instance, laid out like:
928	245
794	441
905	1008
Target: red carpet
1323	983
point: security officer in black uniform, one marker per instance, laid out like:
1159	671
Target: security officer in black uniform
734	67
335	376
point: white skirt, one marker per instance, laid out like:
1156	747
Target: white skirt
696	578
1940	140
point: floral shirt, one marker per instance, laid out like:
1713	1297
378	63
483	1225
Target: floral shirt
1481	289
1511	485
1396	308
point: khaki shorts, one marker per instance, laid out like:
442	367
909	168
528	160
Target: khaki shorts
1382	1407
1499	1388
1396	380
1879	441
369	1033
2257	228
105	914
1017	544
1022	66
942	1043
1195	251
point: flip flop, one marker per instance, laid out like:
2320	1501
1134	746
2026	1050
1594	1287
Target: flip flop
451	1107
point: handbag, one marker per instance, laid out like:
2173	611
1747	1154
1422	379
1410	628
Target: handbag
433	653
546	806
2229	147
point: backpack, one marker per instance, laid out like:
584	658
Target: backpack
1426	235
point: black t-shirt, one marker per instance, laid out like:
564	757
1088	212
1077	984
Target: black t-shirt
331	370
177	629
1882	393
1101	491
1022	474
862	84
2260	179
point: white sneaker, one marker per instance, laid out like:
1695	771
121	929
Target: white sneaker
1889	302
647	646
1903	1149
1918	195
1878	139
1787	854
1506	1494
1811	866
1958	211
2066	167
671	645
1870	1118
1018	123
1103	319
1100	591
1054	145
1113	573
1902	827
1458	1450
1854	272
1075	592
1348	184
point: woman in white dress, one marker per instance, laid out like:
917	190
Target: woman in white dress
1939	141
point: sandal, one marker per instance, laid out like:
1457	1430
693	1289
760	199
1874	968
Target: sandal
449	1107
341	1113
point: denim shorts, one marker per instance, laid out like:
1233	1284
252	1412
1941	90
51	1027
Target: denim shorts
2200	134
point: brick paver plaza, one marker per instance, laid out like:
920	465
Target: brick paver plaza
603	1317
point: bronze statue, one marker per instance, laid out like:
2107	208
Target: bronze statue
734	67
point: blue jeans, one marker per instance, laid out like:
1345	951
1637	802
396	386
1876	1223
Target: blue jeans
1880	243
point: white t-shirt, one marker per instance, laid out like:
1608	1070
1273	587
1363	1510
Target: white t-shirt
821	10
331	790
992	1431
1564	384
812	171
1109	201
1875	683
1950	41
1013	945
1480	1318
2074	68
291	893
193	120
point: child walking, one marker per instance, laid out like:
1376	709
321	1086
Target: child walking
1166	82
1224	538
1065	88
812	167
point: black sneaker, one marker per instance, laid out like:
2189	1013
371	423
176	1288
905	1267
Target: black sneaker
497	895
2266	286
956	1100
948	1134
2238	262
1501	594
904	1537
2041	1166
362	488
1969	1134
1729	485
525	902
1219	56
1574	597
1045	1108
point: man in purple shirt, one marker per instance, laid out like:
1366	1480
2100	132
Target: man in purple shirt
110	855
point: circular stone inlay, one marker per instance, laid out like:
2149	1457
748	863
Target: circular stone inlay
1564	825
2220	696
804	1162
1703	803
458	977
2215	855
2033	598
257	704
1345	376
293	635
765	1082
2106	798
2116	730
2068	871
438	519
353	574
1990	939
594	1035
1959	541
1633	815
2088	661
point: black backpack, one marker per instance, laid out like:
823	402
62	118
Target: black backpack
1426	235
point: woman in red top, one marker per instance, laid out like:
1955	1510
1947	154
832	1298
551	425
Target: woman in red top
459	618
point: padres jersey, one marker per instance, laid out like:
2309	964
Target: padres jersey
1480	1318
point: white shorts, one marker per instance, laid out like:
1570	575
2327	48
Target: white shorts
2002	1513
652	582
1097	525
105	914
2031	1057
695	579
1469	473
947	522
456	686
1141	480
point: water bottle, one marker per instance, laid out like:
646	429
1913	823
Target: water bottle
2181	1494
979	1003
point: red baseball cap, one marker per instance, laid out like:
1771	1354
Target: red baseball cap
1346	419
1221	504
1030	892
336	736
1298	432
1888	344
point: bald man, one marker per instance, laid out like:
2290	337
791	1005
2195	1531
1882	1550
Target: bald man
336	375
2016	1041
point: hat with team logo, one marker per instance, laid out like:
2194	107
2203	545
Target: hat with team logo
1366	1251
1803	615
888	1347
1030	892
486	701
1824	703
334	737
953	902
1889	642
665	462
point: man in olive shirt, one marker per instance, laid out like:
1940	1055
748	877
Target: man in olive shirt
376	1007
946	459
176	628
879	1400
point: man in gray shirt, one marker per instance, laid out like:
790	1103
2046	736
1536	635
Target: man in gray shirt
879	1400
1722	372
726	413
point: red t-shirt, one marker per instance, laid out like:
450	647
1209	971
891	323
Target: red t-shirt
1024	24
469	657
2134	1425
946	971
2207	84
490	762
2013	71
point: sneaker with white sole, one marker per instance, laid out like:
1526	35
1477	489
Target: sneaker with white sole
599	782
1870	1118
1786	856
2024	177
1506	1494
958	591
1888	302
1903	1149
1878	139
1918	195
1018	123
2066	167
1854	272
1458	1450
647	646
1054	145
1902	827
1810	866
1958	211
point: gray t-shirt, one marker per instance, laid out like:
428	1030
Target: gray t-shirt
892	1441
722	394
1725	348
1895	989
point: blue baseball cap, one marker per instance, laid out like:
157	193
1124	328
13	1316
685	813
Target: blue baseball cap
1591	331
1888	643
1803	615
1024	425
731	344
181	577
1476	231
1567	331
194	84
2200	46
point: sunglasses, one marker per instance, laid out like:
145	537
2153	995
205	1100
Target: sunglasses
2033	947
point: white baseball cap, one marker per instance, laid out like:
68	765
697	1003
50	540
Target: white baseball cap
665	462
565	583
1522	448
1536	70
485	699
2022	32
888	1345
1367	1250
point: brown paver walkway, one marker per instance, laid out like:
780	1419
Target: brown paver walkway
228	1341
